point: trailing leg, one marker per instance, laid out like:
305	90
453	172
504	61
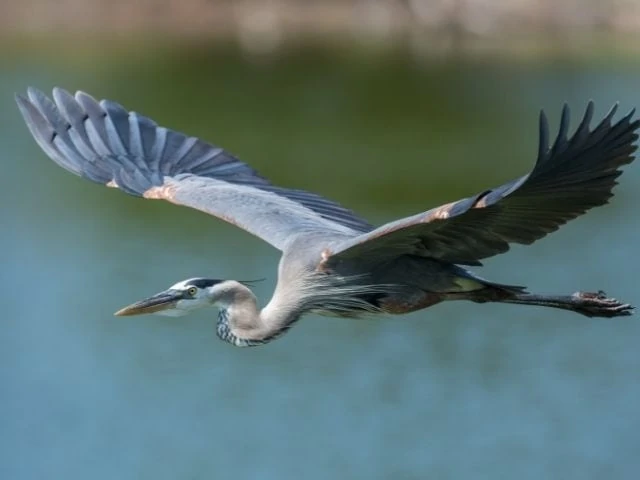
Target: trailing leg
585	303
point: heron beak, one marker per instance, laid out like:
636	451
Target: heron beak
157	303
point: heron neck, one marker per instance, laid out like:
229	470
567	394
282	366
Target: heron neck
241	324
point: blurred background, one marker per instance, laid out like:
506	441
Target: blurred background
390	107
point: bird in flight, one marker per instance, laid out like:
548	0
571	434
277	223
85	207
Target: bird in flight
333	261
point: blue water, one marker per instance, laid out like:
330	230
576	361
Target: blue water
457	391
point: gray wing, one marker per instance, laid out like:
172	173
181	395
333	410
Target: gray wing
103	142
572	176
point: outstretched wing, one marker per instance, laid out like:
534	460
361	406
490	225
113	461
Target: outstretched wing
572	176
107	144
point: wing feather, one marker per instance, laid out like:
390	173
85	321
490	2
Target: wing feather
103	142
570	177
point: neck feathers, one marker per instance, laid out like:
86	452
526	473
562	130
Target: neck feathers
226	332
241	324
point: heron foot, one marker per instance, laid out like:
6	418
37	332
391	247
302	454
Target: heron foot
599	305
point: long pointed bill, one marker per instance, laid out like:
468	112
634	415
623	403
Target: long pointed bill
157	303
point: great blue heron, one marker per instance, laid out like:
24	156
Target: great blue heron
334	262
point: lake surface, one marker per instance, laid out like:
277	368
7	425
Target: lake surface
457	391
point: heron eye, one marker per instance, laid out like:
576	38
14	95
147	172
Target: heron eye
192	291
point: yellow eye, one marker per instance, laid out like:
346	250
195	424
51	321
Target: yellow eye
192	291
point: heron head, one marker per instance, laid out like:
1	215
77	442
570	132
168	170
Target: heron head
178	300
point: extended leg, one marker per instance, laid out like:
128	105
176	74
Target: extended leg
585	303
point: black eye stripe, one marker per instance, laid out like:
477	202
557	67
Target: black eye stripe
203	282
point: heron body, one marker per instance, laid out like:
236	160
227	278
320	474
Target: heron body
333	261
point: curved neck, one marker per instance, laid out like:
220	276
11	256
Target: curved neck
241	324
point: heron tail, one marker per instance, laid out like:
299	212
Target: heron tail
585	303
